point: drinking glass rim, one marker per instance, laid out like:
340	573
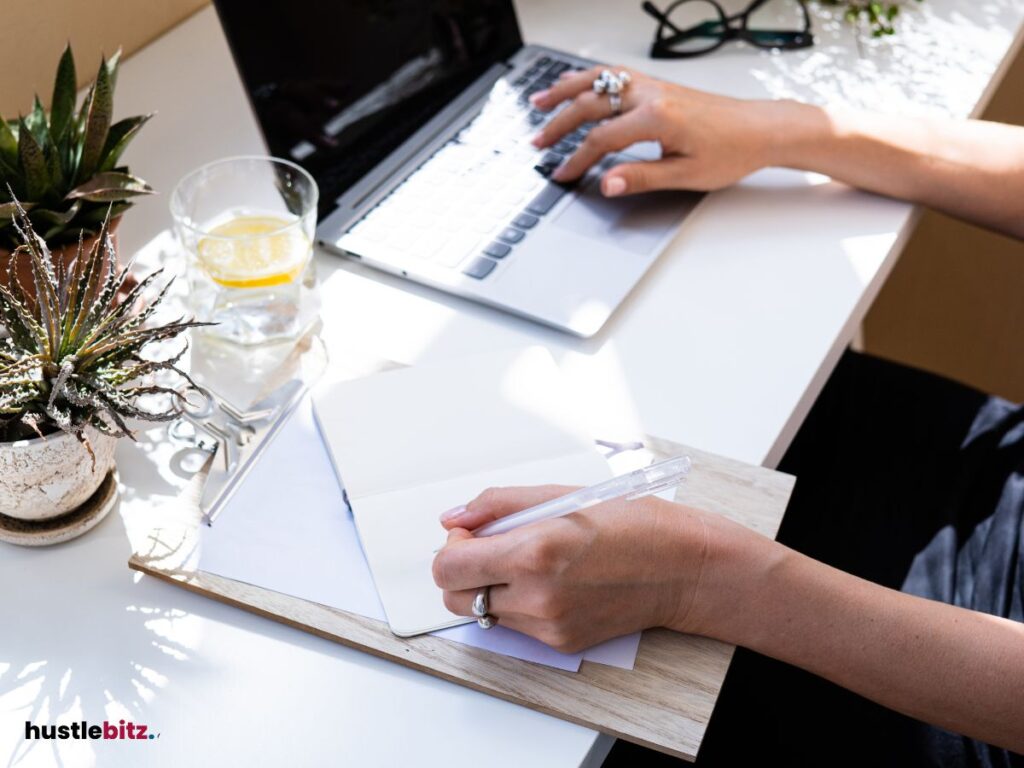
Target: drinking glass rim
181	219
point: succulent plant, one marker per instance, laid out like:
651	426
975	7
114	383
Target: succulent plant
63	166
74	355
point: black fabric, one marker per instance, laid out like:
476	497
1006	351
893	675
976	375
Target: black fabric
913	482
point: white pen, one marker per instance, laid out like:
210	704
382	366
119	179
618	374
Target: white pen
655	478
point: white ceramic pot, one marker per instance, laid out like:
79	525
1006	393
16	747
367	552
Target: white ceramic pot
50	476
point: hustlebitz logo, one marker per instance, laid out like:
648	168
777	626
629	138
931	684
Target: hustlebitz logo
108	731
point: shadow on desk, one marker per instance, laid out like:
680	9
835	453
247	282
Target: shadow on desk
122	651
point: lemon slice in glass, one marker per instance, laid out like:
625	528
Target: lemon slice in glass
254	252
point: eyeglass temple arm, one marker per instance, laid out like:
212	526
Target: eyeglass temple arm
652	10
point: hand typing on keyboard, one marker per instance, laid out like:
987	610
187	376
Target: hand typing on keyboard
707	141
479	196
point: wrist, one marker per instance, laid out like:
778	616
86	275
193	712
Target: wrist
792	131
728	598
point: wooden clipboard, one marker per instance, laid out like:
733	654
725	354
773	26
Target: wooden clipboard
664	703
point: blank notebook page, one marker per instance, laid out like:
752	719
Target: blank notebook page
410	443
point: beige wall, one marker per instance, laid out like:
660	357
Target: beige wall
954	303
33	34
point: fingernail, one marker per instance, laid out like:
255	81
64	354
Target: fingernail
538	140
614	186
559	174
538	96
453	513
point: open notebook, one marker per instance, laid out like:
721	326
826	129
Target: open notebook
289	529
411	443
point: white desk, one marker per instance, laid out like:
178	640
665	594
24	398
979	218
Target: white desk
724	345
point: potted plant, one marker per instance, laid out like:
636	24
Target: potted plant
72	372
63	166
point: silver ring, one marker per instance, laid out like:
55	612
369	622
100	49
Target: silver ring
480	602
480	609
614	85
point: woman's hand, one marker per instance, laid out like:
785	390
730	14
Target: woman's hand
707	141
607	571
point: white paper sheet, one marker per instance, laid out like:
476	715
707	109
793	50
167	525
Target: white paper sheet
287	529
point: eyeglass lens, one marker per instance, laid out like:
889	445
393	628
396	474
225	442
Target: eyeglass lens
696	26
774	24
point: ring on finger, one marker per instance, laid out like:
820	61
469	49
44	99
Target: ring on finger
615	102
481	607
613	84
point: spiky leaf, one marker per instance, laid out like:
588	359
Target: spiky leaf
74	355
32	163
113	65
62	105
121	134
110	186
97	124
54	167
26	333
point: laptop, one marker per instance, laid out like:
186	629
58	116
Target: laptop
414	118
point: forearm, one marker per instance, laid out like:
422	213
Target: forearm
948	666
970	169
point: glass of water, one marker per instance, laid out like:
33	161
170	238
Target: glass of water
247	226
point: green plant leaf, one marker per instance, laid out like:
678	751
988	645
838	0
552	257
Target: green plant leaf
8	142
51	216
9	175
55	168
94	217
51	222
36	122
25	331
121	134
7	210
97	124
62	105
32	164
110	186
113	64
75	354
116	315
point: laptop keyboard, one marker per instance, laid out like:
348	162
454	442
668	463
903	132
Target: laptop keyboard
477	198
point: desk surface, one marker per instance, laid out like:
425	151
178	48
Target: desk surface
724	345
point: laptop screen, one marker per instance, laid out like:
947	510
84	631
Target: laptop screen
337	85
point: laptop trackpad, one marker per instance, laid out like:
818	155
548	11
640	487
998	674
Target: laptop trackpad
636	223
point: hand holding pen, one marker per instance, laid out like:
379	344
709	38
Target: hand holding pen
606	570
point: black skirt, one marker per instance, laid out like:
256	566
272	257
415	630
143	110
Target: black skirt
913	482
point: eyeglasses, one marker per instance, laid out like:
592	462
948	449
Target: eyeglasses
695	27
